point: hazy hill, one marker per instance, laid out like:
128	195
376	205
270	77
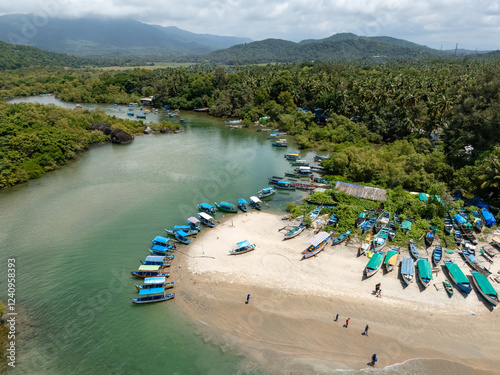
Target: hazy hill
277	50
14	57
107	36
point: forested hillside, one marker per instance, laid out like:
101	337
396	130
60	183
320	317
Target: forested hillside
427	125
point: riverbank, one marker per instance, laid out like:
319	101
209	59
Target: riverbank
289	327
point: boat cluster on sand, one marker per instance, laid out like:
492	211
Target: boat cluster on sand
380	229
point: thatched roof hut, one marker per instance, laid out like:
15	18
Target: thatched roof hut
361	191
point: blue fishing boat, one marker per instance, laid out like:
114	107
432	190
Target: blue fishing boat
303	171
185	228
301	186
181	236
319	158
391	258
206	219
280	143
266	192
256	203
361	218
458	277
318	169
149	271
471	260
194	223
205	207
153	297
392	230
242	204
458	237
374	263
285	185
317	244
382	221
380	239
341	238
275	179
368	225
485	288
292	155
407	270
448	225
243	247
294	232
130	113
313	215
162	244
300	162
413	250
163	254
141	115
478	221
155	260
333	220
437	255
227	207
155	282
424	271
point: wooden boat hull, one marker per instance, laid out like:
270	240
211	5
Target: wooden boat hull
309	254
295	233
448	287
424	281
494	300
151	286
149	274
152	299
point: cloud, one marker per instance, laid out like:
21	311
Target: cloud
473	24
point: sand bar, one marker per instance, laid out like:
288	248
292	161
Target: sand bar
289	323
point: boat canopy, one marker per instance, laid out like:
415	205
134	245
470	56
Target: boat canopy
160	240
255	200
181	233
304	168
149	268
457	273
243	244
182	227
241	200
422	197
155	280
150	291
484	284
206	205
460	219
155	258
489	219
205	216
226	204
193	220
267	189
319	238
424	268
375	261
389	257
406	225
407	266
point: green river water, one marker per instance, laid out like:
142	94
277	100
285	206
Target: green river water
76	232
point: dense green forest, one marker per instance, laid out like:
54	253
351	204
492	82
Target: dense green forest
424	125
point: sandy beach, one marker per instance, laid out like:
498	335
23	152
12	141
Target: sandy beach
288	325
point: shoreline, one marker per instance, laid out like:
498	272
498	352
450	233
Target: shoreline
289	326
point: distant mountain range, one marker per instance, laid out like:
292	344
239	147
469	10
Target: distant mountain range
133	40
108	36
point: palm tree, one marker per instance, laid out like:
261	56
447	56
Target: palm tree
490	175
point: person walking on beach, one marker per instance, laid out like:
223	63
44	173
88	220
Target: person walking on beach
379	293
377	288
347	322
336	318
248	298
374	360
366	330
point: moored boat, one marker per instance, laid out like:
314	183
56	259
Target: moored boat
392	230
361	218
226	206
391	258
256	203
285	185
368	225
380	239
292	155
266	192
294	232
181	236
341	238
437	255
458	277
185	228
365	246
194	223
448	287
205	207
413	250
149	271
333	220
317	244
382	221
485	288
407	270
206	219
155	282
303	171
162	244
155	297
471	260
448	225
242	204
300	162
429	238
374	263
274	179
424	271
458	237
243	247
313	215
155	260
298	185
478	221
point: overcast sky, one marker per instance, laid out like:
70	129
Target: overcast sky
473	24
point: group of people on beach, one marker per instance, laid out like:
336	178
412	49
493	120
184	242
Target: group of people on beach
365	333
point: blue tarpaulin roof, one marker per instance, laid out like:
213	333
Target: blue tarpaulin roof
182	233
155	280
489	219
460	218
243	243
150	291
155	258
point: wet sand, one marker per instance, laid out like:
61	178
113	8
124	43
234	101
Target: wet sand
288	326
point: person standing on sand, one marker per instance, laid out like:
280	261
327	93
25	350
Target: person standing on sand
366	330
347	322
379	293
374	360
336	318
248	298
